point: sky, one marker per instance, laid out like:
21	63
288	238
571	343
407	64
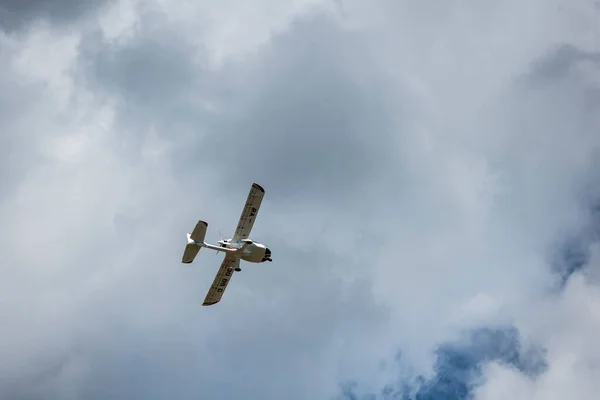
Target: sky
432	199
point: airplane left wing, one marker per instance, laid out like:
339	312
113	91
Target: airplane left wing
229	264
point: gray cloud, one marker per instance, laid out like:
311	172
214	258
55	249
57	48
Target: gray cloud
149	355
558	63
307	115
15	15
320	119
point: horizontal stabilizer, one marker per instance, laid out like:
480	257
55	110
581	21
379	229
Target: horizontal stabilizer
199	232
190	252
191	248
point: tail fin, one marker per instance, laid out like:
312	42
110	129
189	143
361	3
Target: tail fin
194	238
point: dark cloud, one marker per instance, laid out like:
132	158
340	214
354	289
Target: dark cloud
559	62
16	14
320	119
154	81
12	165
559	74
304	115
573	253
151	72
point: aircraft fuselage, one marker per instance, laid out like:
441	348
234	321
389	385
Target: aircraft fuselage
255	252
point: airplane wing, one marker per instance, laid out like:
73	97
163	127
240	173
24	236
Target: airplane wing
229	264
249	212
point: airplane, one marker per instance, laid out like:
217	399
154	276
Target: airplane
240	247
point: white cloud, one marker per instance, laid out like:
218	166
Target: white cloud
568	327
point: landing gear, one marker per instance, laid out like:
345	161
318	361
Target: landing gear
238	269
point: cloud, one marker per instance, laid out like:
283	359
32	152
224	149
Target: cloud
565	323
303	113
16	15
416	187
106	313
548	193
569	326
458	366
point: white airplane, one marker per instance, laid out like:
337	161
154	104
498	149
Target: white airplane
236	248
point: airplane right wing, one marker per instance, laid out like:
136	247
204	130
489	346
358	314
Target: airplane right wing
249	212
229	264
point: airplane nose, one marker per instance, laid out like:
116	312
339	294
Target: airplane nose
267	254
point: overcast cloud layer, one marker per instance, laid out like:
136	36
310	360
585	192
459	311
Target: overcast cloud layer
432	199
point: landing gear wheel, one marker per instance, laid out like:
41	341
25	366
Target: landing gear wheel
238	269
